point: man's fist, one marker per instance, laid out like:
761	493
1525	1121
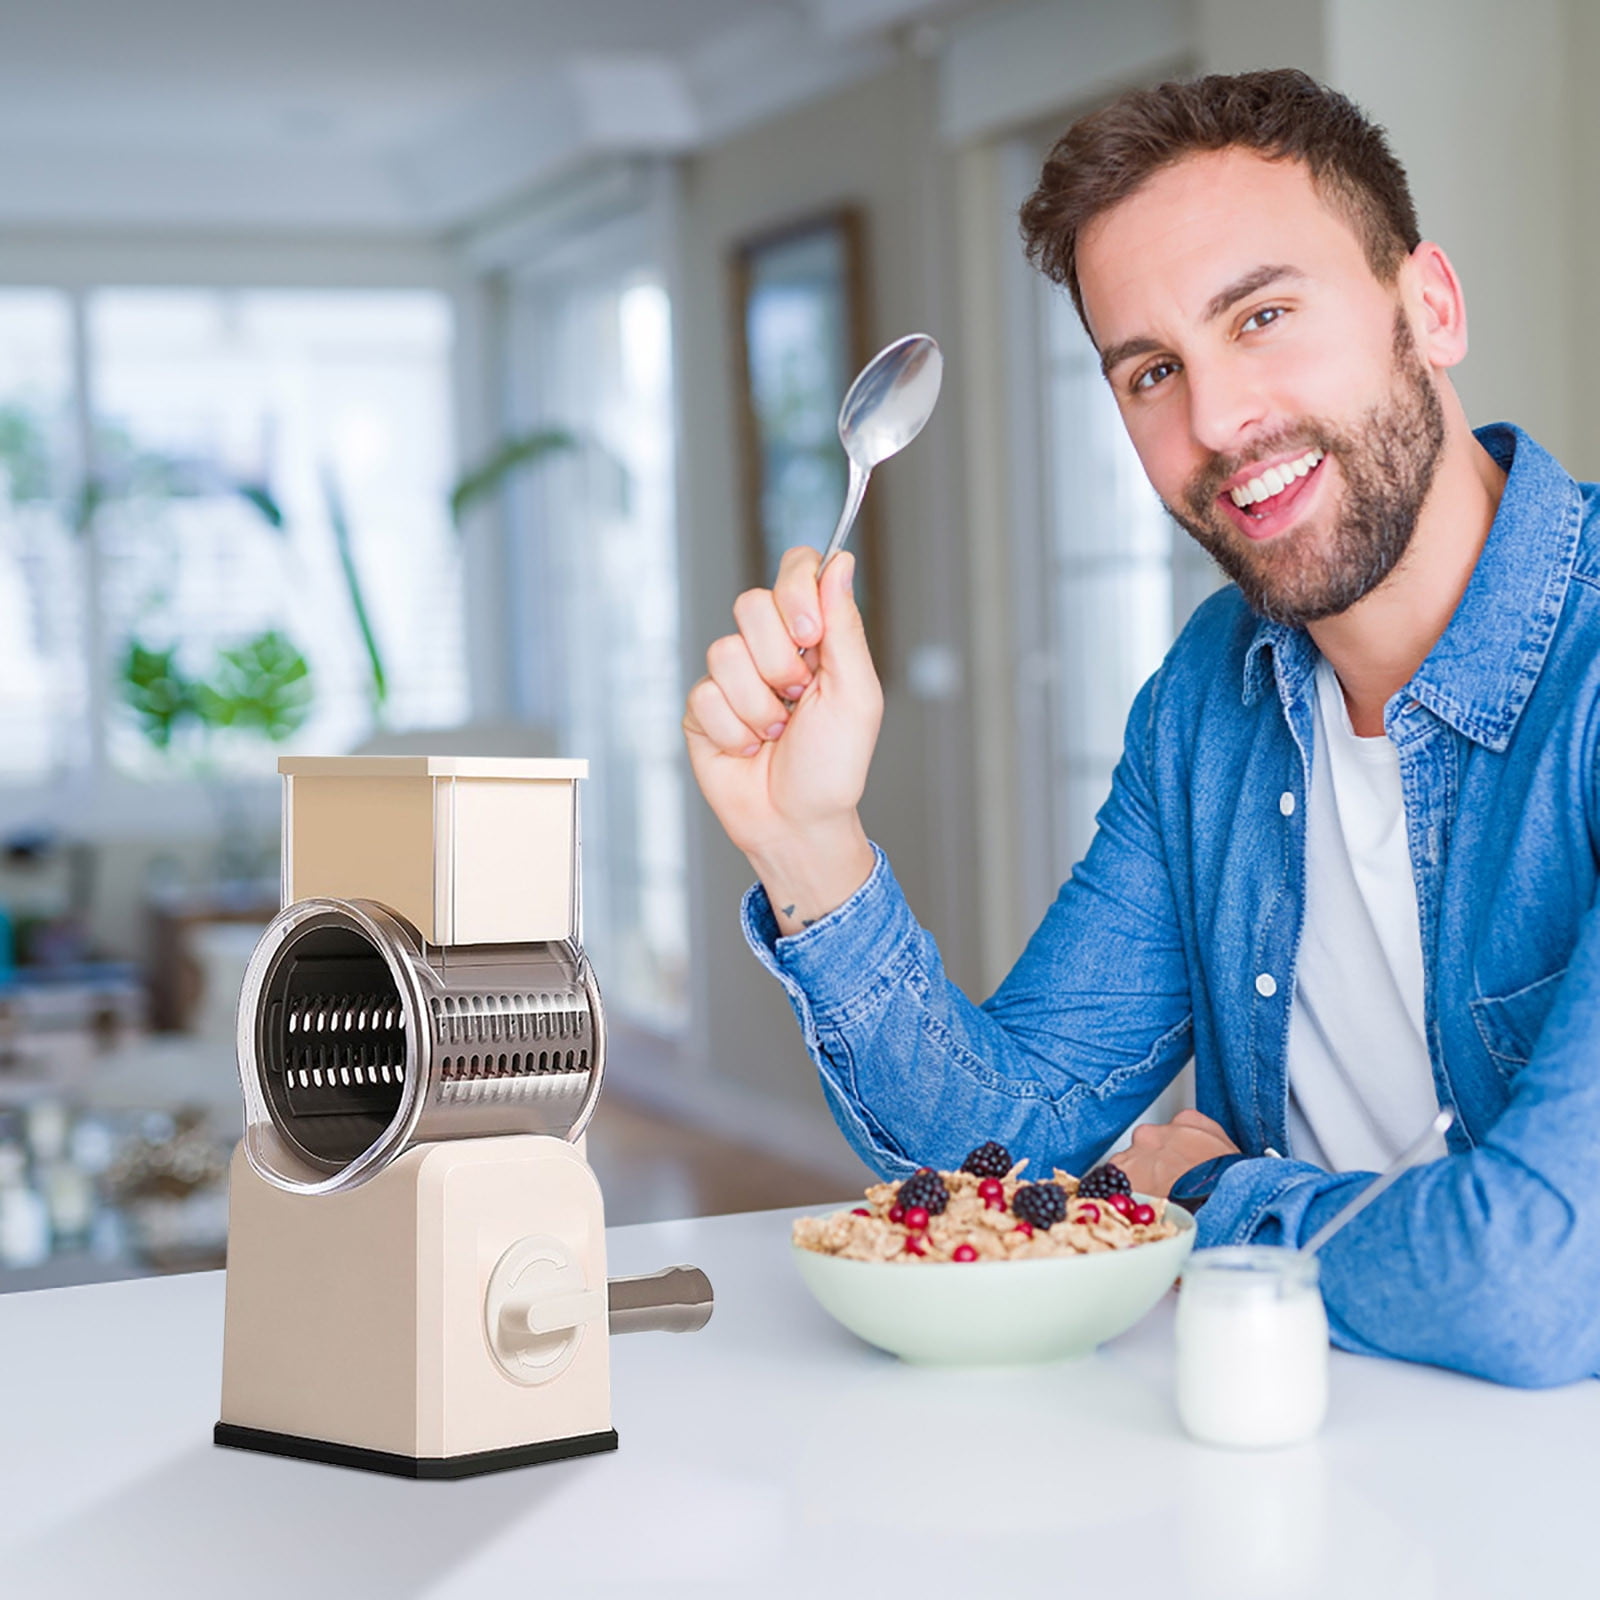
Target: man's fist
1162	1152
781	732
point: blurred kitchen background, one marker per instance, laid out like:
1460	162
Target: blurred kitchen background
389	377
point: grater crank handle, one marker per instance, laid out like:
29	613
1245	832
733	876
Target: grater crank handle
673	1300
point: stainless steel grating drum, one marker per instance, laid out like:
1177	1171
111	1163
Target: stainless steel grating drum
358	1040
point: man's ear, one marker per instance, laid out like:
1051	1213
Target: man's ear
1431	293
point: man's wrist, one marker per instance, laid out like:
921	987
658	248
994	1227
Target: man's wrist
811	874
1194	1187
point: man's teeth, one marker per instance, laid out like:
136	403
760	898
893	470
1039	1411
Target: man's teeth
1274	480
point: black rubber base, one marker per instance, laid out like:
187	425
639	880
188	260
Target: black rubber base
349	1455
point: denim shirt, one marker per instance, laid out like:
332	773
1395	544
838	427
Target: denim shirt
1176	936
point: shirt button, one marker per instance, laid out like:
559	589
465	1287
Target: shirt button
1286	803
1266	985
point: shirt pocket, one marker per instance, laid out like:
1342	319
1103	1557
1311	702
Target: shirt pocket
1509	1024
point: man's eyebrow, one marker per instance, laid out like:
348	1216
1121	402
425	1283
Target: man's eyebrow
1257	278
1126	351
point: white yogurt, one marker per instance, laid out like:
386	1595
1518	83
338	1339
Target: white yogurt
1252	1347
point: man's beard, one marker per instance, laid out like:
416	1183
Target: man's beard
1388	462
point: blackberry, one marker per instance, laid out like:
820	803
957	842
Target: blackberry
924	1188
1104	1182
1042	1204
989	1160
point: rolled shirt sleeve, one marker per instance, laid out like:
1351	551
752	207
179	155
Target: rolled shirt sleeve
1091	1024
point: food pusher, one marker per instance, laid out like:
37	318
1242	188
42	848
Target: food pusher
416	1278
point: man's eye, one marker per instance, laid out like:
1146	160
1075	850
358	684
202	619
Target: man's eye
1153	375
1261	318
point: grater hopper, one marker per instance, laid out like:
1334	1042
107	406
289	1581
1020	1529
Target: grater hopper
416	1254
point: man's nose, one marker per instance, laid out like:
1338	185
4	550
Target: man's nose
1227	404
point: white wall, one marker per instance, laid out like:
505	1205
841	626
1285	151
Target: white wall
1487	106
1475	97
875	146
1582	324
1015	64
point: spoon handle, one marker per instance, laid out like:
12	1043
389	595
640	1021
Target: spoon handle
847	517
1406	1159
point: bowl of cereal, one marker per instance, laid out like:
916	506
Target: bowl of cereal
982	1268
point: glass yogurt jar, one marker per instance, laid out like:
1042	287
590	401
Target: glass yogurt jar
1252	1347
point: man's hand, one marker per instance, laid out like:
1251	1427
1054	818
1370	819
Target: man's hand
780	743
1162	1152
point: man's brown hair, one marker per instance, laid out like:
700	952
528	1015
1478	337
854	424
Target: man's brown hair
1282	115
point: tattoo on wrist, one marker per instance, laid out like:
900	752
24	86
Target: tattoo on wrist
788	911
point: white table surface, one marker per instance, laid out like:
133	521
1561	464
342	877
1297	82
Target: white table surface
773	1454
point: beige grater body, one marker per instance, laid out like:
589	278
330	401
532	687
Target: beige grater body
359	1318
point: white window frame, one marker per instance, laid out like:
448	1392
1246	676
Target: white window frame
618	216
1039	860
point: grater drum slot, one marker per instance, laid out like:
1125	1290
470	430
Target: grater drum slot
333	1044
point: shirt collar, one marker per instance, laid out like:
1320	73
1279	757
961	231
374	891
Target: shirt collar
1479	674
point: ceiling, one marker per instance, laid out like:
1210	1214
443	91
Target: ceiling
386	115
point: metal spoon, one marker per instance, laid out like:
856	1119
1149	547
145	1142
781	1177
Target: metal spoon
1407	1158
883	411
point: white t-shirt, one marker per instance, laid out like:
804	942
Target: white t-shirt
1360	1083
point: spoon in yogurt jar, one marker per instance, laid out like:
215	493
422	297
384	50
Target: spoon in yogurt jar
1408	1158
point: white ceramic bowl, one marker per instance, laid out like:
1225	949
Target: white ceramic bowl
997	1313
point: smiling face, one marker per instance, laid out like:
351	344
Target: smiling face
1270	382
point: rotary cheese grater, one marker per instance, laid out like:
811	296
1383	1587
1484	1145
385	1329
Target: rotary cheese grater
416	1247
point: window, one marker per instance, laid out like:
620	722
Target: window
44	682
257	463
1107	556
597	630
1104	579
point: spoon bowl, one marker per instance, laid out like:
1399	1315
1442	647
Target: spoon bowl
884	410
891	400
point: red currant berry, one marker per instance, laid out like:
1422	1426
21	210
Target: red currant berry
1025	1227
994	1202
916	1219
965	1252
991	1187
897	1213
1088	1211
915	1246
1143	1216
1119	1202
860	1211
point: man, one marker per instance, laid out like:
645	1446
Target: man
1349	858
